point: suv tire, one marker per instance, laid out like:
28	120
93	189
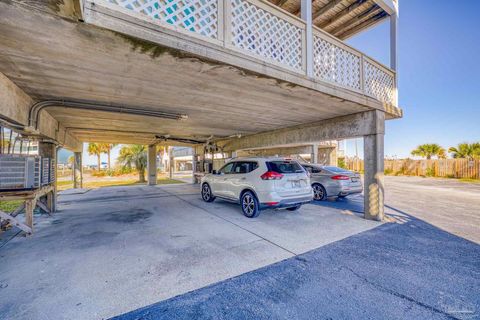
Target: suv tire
207	193
249	204
294	208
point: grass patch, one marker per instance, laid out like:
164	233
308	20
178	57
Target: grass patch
468	180
64	185
9	206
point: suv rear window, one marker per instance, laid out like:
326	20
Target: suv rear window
284	166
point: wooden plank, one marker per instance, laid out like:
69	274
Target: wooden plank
326	8
29	206
15	222
43	206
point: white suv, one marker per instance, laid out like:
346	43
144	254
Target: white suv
259	183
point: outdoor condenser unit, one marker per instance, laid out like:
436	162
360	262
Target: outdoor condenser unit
19	172
48	171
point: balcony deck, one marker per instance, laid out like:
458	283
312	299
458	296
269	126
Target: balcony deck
240	70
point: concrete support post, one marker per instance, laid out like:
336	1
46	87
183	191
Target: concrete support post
314	154
171	164
333	160
306	15
77	170
194	165
152	165
373	182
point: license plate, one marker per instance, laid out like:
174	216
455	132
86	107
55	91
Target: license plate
354	180
296	184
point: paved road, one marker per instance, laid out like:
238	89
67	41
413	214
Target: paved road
423	265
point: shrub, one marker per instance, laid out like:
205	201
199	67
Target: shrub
388	172
430	172
341	163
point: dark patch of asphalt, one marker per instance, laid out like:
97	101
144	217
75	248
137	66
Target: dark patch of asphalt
405	270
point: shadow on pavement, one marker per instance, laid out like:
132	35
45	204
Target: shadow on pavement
408	269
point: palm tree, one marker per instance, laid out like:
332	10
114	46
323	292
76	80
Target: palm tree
95	149
107	148
466	150
134	155
429	150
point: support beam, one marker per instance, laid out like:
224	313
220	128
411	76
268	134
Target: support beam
355	125
152	165
77	170
373	146
14	109
306	15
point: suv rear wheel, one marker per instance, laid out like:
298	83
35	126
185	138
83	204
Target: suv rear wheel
249	205
294	208
207	193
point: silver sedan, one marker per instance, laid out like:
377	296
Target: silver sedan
330	181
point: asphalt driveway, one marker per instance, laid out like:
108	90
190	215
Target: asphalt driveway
425	264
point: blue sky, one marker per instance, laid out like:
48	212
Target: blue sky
439	73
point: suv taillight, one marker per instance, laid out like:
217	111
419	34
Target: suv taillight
271	175
340	177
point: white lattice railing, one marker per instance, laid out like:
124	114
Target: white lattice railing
379	81
273	35
335	62
262	30
199	16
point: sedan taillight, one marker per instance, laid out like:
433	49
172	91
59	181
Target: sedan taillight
271	175
340	177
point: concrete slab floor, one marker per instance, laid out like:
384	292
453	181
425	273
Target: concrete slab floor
112	250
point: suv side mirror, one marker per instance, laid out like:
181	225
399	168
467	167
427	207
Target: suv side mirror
214	171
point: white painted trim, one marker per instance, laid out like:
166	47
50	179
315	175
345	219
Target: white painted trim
389	6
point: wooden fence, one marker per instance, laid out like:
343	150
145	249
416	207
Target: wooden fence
448	168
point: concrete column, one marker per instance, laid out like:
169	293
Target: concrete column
373	181
77	170
194	164
333	161
314	154
306	15
171	164
152	165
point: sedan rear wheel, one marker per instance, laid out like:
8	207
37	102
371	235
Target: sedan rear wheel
250	205
319	192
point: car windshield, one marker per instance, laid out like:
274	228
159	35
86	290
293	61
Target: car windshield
284	166
335	169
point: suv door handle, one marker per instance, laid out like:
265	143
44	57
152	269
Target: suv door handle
243	178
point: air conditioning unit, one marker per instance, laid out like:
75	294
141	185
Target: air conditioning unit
19	172
48	171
